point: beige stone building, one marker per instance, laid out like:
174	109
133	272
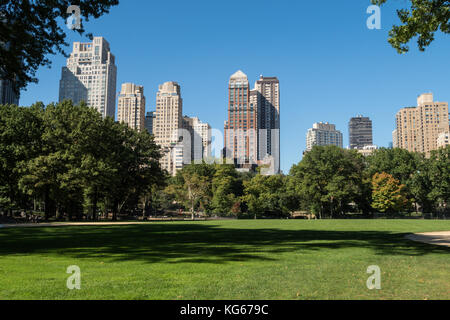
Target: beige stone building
167	124
90	76
131	106
418	128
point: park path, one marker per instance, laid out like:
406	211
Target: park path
67	224
436	238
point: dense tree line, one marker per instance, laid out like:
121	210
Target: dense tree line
68	162
71	163
329	182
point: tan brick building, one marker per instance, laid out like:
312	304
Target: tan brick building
418	128
131	106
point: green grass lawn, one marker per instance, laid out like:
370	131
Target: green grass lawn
270	259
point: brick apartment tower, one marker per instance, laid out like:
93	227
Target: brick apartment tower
241	137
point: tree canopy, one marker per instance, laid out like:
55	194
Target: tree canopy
422	20
30	30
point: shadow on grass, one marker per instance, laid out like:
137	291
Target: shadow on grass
198	243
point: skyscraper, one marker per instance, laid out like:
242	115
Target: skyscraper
131	106
90	76
7	94
323	134
268	124
418	128
360	132
168	122
241	138
149	120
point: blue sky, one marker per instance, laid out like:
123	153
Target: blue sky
330	65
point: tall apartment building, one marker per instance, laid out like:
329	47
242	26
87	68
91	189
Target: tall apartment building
323	134
167	124
149	120
200	138
267	98
131	106
360	132
7	94
90	76
241	138
418	128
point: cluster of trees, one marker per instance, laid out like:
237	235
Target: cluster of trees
71	163
329	182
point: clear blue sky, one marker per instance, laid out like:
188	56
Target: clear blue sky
330	65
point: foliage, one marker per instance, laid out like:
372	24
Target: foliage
31	31
423	19
388	194
266	196
72	160
328	179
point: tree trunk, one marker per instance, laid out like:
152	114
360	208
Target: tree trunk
94	205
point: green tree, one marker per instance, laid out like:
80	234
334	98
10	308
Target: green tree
227	188
423	19
89	162
31	31
440	176
266	196
388	194
20	140
328	179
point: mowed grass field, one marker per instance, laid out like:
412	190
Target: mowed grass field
270	259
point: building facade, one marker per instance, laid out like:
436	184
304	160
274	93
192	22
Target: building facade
240	131
367	150
323	134
266	95
443	139
167	124
90	76
131	106
360	132
200	138
149	120
7	94
418	128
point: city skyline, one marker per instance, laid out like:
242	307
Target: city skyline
361	75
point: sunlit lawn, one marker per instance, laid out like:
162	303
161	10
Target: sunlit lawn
270	259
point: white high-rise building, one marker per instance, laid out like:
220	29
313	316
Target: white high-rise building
323	134
90	76
131	106
200	138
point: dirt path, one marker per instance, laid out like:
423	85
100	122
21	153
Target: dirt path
436	238
68	224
